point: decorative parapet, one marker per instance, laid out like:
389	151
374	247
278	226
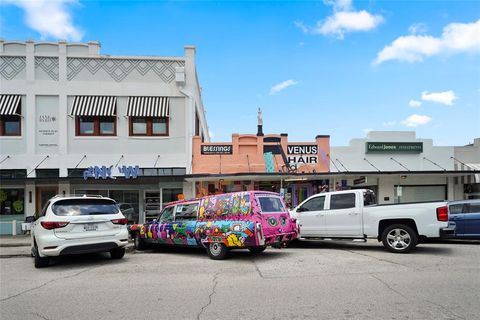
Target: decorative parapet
119	69
11	67
49	65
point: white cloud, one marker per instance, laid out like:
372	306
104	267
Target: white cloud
389	123
339	5
282	86
300	25
414	103
418	28
456	38
416	120
50	18
344	19
446	97
348	21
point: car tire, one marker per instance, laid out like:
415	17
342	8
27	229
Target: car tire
138	242
256	250
39	262
117	253
399	238
217	250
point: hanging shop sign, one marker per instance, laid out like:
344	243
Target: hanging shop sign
394	147
216	149
360	180
302	154
104	172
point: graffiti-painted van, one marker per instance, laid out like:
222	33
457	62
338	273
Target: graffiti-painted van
251	220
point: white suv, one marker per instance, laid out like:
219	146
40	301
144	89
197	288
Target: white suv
78	224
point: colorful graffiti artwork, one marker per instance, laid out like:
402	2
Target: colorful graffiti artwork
228	204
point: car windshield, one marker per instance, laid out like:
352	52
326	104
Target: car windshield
84	207
271	204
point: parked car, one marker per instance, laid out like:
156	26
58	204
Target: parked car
465	218
78	224
353	215
251	220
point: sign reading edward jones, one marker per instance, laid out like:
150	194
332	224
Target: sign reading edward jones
394	147
217	149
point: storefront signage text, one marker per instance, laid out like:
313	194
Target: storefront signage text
217	149
303	154
105	172
394	147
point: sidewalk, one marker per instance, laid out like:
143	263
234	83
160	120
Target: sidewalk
15	246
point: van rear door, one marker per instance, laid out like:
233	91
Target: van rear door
275	218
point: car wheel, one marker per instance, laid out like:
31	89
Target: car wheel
117	253
138	242
40	262
257	249
217	251
399	238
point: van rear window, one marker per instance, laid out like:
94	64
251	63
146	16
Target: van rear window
84	207
271	204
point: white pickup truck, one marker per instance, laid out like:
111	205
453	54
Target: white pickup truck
353	215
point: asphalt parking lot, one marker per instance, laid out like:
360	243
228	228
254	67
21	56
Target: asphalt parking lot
315	280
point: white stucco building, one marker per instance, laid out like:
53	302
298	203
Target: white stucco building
73	121
400	167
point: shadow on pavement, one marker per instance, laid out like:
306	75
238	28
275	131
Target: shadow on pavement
236	254
362	246
82	260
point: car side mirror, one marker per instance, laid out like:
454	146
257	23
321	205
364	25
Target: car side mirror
30	219
302	209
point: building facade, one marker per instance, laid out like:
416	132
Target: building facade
74	121
397	165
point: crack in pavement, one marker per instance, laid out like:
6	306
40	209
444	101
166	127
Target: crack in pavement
258	270
48	282
379	259
445	310
39	315
214	280
388	286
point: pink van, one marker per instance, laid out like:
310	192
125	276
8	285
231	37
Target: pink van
241	220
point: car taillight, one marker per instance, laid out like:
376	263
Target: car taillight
442	213
120	221
49	225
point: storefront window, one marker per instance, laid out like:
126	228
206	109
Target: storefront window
169	195
12	201
128	202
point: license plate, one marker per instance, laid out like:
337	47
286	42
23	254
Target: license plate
90	227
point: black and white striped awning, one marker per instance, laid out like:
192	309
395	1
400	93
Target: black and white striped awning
103	106
10	104
148	107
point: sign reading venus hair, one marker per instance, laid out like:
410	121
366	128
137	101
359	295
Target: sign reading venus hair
216	149
394	147
302	154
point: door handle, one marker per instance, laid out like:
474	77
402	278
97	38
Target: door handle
352	213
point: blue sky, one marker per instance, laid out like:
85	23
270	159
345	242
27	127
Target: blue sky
340	68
